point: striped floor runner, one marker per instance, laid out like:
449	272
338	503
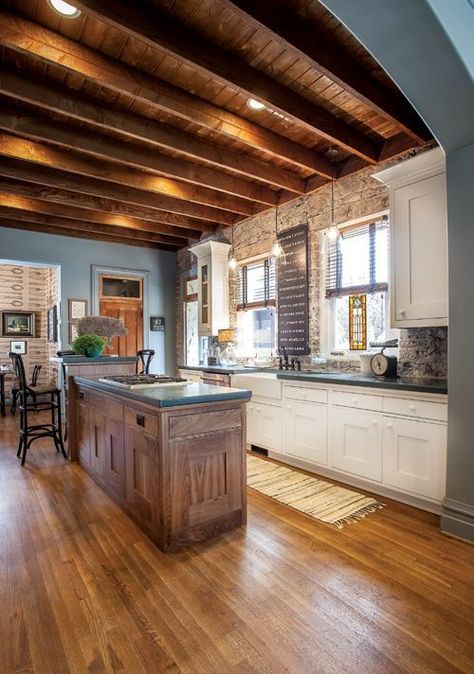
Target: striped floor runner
316	498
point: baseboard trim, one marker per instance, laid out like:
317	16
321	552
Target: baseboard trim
457	519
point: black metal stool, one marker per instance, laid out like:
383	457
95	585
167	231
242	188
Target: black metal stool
29	434
146	356
16	391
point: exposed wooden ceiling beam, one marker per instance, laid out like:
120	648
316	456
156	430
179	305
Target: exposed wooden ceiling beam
13	201
46	155
49	47
17	214
97	145
131	125
158	30
106	208
80	234
56	178
305	39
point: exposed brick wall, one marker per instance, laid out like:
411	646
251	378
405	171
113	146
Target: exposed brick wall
354	196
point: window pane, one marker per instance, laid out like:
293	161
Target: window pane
256	331
355	260
376	325
120	287
255	283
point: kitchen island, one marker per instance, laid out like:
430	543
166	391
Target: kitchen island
171	457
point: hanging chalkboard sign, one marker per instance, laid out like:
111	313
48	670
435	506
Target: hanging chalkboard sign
293	326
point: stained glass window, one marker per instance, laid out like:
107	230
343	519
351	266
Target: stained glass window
357	322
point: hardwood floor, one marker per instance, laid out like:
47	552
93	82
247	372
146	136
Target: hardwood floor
83	590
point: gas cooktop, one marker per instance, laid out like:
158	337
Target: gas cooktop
137	381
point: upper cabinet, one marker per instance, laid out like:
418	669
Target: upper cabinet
419	248
213	286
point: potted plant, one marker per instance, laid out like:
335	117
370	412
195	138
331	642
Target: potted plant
88	345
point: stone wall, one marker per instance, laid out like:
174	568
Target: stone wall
422	351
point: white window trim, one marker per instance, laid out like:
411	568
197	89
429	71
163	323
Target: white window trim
326	326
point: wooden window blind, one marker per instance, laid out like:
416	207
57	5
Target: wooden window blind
256	285
357	262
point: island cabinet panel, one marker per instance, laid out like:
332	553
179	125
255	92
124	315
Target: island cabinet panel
114	456
205	480
83	421
141	478
97	440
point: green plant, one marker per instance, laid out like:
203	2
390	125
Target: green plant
88	345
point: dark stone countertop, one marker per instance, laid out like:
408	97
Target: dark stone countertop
222	369
188	394
418	385
79	360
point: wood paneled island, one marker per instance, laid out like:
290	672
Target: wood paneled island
172	458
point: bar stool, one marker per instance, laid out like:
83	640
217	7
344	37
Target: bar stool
29	434
16	391
146	356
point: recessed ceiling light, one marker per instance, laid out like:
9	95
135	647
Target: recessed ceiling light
65	9
255	105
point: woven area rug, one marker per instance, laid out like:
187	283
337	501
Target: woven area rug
316	498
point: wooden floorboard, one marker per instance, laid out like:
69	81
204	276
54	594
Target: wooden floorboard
83	590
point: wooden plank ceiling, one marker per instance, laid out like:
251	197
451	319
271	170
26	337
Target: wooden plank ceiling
131	123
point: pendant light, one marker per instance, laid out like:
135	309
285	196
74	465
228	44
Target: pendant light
277	249
333	231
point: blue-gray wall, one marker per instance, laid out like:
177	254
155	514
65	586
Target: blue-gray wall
76	257
426	46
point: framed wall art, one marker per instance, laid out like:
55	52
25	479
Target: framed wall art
77	308
19	347
18	324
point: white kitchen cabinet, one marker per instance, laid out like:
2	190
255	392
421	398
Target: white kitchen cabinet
305	431
355	439
213	286
414	456
264	425
418	226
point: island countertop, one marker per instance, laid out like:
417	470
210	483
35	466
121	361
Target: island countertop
170	396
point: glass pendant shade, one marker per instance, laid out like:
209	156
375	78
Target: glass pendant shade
277	250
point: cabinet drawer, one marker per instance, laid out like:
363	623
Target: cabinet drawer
360	400
416	408
313	395
138	419
114	410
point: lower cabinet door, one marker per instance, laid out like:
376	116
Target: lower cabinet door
83	433
264	426
114	456
97	441
414	456
141	468
306	431
355	438
252	423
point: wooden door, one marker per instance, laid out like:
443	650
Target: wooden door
306	431
356	441
414	456
131	313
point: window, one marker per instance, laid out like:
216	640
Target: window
356	293
256	299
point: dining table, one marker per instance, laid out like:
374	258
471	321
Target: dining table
4	372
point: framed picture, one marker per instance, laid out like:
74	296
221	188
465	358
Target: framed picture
19	347
18	324
53	324
76	309
157	323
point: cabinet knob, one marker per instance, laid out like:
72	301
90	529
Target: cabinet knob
402	312
389	425
354	401
140	420
412	408
81	395
374	422
289	408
